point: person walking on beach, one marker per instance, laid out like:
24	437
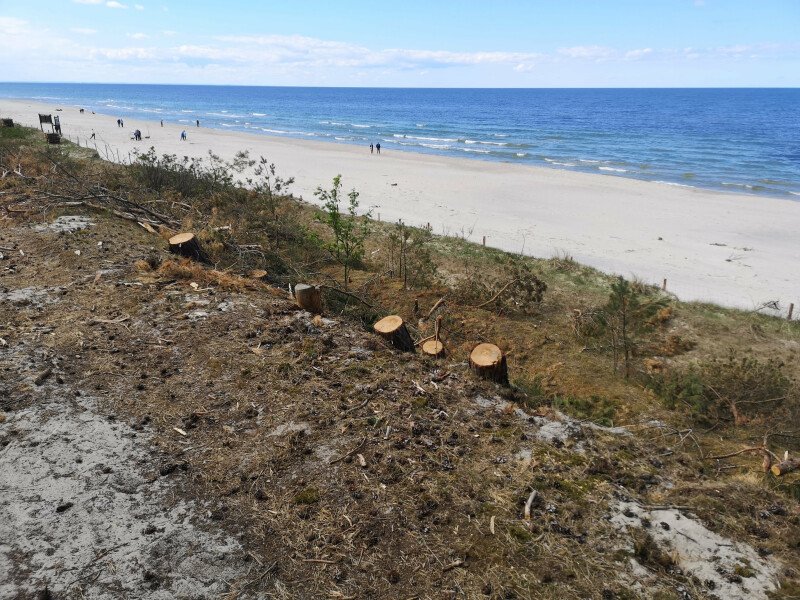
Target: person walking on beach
91	137
162	122
378	147
198	122
371	148
118	123
183	136
121	123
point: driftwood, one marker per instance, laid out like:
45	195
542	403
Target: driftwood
186	244
308	297
489	362
393	329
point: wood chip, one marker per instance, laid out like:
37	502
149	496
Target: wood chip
179	430
361	460
491	525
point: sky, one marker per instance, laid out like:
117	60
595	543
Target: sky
405	43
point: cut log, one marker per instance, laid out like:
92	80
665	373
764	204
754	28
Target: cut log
258	274
308	297
393	329
786	466
433	348
489	362
186	244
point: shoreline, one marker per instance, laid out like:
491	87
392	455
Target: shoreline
736	250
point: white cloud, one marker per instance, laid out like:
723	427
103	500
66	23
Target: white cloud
115	4
169	32
12	26
587	52
138	36
138	7
88	1
83	30
638	54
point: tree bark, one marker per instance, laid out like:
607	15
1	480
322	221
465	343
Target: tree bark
394	330
489	362
308	297
186	244
786	466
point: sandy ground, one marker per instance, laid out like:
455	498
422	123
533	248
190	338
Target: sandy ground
734	250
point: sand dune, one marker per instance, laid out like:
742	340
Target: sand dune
734	250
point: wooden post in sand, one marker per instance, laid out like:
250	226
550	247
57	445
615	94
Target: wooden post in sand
484	241
791	310
489	362
664	285
308	297
186	244
394	330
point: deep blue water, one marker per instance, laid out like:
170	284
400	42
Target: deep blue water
742	140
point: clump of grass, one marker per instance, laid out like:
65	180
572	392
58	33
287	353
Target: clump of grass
595	408
309	495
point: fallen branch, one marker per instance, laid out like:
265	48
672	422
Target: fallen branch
340	291
350	453
497	295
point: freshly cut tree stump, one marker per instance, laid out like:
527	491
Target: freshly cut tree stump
393	329
433	348
308	297
186	244
489	362
786	466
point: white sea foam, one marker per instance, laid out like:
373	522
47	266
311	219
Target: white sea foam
588	160
613	169
258	114
521	154
423	138
421	125
795	193
437	146
361	126
478	150
674	184
742	185
486	143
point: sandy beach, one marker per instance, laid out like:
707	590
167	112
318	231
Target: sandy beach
734	250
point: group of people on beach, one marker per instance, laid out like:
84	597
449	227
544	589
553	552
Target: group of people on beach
120	123
375	148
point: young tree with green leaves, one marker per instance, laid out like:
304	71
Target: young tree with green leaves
349	230
625	317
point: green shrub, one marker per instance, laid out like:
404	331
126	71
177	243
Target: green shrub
735	388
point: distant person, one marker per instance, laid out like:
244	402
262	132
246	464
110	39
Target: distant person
81	111
378	148
183	136
57	124
119	121
371	148
91	137
198	122
162	122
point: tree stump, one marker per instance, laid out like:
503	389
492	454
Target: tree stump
260	274
186	244
489	362
786	466
308	297
433	348
7	122
393	329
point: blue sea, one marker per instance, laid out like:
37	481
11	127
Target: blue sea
736	140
